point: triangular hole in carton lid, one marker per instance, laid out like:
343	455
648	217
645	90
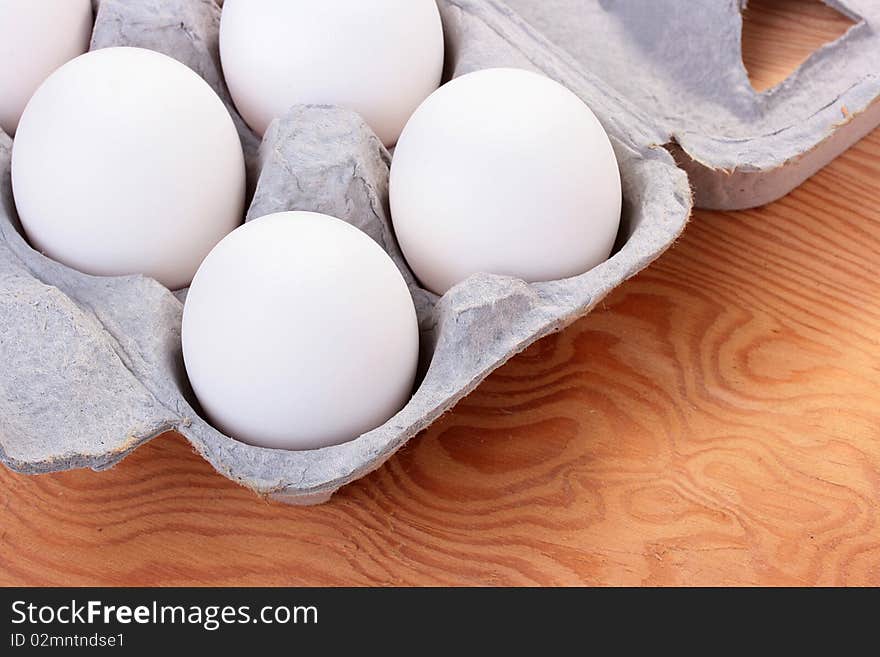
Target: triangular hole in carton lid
779	32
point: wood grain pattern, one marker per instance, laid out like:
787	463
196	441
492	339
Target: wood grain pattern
716	422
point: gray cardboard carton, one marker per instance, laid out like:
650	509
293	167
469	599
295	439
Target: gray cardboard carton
91	368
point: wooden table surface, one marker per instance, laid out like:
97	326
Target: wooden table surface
716	421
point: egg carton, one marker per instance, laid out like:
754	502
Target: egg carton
91	368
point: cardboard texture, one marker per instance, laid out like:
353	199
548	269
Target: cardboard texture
91	368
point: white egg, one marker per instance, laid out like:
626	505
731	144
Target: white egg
379	58
299	332
506	172
127	162
36	37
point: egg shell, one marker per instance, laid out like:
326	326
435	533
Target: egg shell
380	58
504	171
36	37
287	326
127	162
